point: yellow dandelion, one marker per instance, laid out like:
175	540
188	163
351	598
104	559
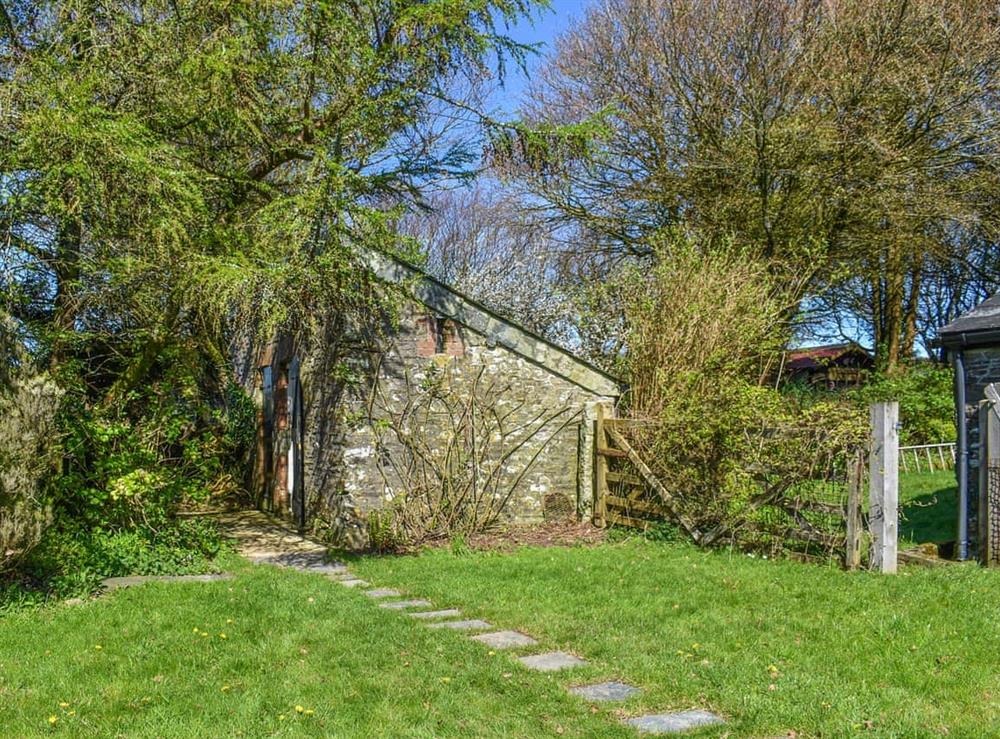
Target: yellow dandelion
229	620
70	713
281	717
53	720
446	680
64	704
309	712
225	688
223	636
299	709
98	647
196	630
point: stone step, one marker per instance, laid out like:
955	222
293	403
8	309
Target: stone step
355	583
470	625
382	593
551	661
612	691
401	604
505	639
446	613
674	723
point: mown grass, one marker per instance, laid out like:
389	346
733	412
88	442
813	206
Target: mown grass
928	506
136	663
774	646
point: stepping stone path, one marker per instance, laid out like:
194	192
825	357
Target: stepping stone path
382	593
471	625
446	613
114	583
505	639
551	661
401	604
265	540
605	691
673	723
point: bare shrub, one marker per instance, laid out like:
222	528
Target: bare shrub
705	332
28	453
452	450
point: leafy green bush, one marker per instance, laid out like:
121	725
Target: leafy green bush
705	330
925	392
72	558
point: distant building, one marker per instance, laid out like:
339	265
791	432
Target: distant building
832	367
973	344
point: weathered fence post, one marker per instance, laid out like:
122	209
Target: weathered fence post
600	469
883	474
855	479
989	461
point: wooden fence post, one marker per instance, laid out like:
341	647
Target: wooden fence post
600	469
989	460
883	483
855	479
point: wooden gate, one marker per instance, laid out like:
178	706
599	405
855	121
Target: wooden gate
816	519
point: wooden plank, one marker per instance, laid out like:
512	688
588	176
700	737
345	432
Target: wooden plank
614	501
650	478
624	479
623	520
600	470
883	485
855	478
609	452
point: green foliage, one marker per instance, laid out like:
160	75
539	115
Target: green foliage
73	558
168	443
926	398
704	332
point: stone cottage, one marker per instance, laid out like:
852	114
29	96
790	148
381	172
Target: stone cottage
973	345
453	410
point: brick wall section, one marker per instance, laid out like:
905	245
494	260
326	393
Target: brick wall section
341	469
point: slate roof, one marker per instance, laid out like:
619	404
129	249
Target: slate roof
448	302
973	327
812	357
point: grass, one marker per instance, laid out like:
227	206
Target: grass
928	506
773	646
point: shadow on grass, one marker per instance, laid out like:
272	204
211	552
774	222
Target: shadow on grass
929	512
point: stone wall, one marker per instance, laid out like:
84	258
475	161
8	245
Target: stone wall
356	391
982	367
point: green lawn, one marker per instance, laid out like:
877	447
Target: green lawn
773	646
928	506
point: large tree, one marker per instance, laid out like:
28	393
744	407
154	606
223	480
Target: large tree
854	141
167	166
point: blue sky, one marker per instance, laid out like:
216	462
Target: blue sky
544	27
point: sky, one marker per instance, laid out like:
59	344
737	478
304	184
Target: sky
543	28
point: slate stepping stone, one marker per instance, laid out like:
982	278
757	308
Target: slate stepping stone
505	639
355	583
382	593
605	691
401	604
446	613
551	661
673	723
471	625
114	583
